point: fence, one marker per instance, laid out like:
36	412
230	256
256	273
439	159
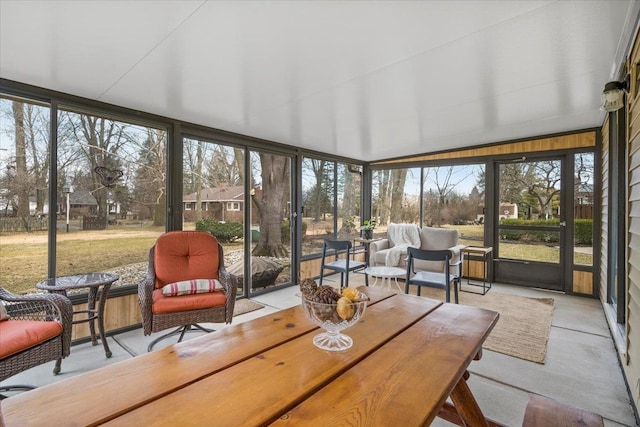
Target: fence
12	224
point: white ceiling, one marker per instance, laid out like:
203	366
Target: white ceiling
365	80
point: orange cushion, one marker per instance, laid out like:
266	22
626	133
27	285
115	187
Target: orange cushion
185	255
18	335
167	304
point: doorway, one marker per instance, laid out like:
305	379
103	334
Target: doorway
530	223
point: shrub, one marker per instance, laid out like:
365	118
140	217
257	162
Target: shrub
583	232
284	230
529	236
226	232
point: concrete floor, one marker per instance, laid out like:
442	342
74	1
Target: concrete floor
581	366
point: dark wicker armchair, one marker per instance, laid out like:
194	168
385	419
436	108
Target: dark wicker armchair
38	330
179	256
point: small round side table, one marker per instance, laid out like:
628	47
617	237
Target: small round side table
92	281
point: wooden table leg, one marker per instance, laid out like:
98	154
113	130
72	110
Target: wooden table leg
467	406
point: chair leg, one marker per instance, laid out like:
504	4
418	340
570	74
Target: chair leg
17	387
455	289
180	330
56	369
366	279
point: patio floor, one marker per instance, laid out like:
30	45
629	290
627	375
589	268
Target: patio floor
581	368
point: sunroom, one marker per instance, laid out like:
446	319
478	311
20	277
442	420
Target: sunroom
277	125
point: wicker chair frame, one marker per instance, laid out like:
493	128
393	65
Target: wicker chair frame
152	322
42	307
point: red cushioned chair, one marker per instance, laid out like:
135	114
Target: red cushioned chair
34	329
180	256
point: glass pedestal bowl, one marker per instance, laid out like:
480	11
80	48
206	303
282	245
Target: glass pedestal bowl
326	316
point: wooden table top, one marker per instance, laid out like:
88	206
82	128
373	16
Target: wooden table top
409	354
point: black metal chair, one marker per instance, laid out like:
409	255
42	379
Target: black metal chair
341	265
444	280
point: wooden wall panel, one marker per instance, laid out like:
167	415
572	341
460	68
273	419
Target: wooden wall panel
473	268
561	142
120	312
583	282
311	267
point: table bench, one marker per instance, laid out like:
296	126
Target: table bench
540	412
544	412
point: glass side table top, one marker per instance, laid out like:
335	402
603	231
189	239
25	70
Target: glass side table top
76	281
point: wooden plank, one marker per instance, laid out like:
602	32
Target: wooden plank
262	388
583	282
395	386
119	313
450	414
310	268
561	142
467	406
123	386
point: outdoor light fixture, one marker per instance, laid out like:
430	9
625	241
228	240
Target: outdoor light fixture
613	94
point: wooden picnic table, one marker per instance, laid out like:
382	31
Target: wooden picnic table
409	355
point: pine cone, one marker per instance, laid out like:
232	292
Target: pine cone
308	288
326	294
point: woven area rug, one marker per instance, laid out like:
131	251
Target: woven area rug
244	305
523	328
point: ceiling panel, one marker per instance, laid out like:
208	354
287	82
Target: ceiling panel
367	80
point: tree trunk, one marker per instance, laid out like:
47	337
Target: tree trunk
198	183
398	177
275	191
22	176
159	211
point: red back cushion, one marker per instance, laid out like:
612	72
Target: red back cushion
185	255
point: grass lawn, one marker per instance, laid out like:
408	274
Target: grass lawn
23	256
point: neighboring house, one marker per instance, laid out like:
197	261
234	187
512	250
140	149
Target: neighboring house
223	203
6	208
81	202
506	210
8	203
583	206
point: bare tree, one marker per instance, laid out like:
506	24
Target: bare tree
532	184
21	182
381	206
443	184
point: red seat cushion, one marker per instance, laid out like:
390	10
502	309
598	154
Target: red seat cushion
19	335
172	304
185	255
